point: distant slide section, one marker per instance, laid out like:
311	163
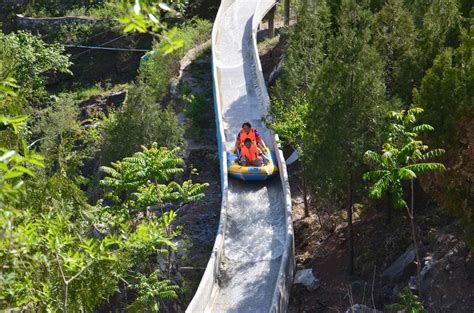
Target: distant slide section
252	262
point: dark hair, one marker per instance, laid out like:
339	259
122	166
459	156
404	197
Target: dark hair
247	124
247	140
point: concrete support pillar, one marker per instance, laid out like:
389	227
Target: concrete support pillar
287	12
271	22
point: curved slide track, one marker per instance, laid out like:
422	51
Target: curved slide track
252	262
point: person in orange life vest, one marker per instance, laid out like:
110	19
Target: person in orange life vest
248	132
251	155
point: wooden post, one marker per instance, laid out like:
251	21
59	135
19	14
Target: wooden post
271	22
287	12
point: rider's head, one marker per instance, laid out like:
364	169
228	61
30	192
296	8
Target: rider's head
246	126
248	142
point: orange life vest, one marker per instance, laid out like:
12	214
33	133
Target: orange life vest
251	153
252	135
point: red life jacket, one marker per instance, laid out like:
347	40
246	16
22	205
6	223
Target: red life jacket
251	153
252	135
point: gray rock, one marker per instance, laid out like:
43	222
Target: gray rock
412	283
428	264
358	287
116	99
100	230
275	73
174	88
396	292
306	278
387	293
360	308
402	268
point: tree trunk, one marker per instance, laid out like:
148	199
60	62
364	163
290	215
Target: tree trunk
271	23
350	232
415	241
305	198
66	287
287	12
388	221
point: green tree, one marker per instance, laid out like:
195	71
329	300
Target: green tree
304	51
446	94
347	106
304	54
140	122
394	36
401	159
419	9
55	258
447	89
28	59
441	25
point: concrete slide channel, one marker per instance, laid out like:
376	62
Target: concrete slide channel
252	262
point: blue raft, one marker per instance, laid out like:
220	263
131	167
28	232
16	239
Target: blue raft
252	173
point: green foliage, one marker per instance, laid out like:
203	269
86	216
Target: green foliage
160	69
347	103
140	122
55	258
410	303
97	9
152	290
80	33
146	175
159	164
27	59
145	16
394	37
440	28
401	158
446	90
63	138
446	93
15	164
304	53
51	261
58	252
42	8
197	109
290	119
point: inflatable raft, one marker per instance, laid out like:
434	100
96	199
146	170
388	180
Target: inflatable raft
253	173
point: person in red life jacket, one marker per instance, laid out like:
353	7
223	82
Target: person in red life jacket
248	132
251	155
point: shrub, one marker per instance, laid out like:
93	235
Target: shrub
141	122
160	68
29	58
198	111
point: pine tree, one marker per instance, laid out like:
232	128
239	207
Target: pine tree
394	36
441	25
347	105
304	51
446	94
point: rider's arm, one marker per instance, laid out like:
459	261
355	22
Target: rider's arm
237	141
262	154
260	140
